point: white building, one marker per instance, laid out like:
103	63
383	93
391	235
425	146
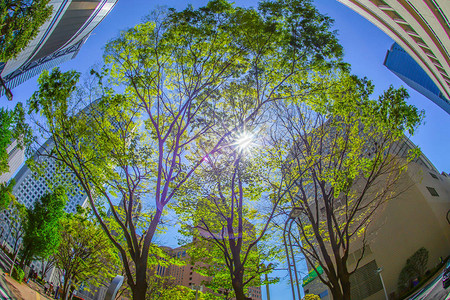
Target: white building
59	39
421	28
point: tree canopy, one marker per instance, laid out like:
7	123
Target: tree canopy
12	127
42	229
342	149
85	254
173	72
20	23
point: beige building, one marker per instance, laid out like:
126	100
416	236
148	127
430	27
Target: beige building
420	27
416	218
187	276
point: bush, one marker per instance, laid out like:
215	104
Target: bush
414	268
18	274
311	297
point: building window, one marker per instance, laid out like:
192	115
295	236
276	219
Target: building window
433	175
432	191
365	281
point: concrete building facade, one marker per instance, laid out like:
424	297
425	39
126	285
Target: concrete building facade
421	28
59	39
414	219
31	186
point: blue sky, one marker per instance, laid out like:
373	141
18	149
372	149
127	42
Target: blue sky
364	45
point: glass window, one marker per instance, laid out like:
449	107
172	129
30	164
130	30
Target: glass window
433	192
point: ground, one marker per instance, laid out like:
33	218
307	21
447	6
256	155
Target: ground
433	289
11	289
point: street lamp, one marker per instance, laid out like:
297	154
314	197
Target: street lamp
382	282
293	215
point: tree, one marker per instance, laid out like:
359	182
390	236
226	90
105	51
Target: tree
12	127
418	262
415	267
20	23
85	254
6	195
17	225
311	297
172	70
228	210
41	233
346	151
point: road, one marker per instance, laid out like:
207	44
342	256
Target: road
433	291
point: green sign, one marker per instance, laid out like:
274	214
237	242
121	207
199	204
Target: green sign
311	275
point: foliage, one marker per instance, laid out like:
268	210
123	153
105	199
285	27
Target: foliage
164	287
12	127
222	211
415	267
85	254
174	72
418	262
6	195
311	297
20	23
342	149
18	274
159	286
41	232
18	223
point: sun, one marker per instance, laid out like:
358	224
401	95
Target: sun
244	142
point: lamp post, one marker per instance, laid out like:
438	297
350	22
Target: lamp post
294	214
382	282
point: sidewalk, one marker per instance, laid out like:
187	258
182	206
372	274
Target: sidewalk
21	290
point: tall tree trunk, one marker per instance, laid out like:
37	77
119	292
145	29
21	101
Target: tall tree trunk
139	290
337	294
23	258
341	290
345	283
336	291
238	285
